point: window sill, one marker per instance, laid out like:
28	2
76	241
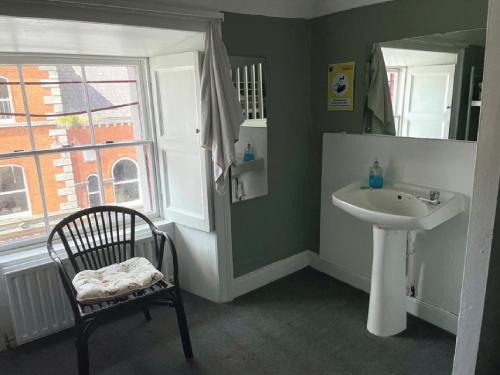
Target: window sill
37	255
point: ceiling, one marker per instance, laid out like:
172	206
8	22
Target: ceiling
278	8
475	37
456	39
274	8
31	35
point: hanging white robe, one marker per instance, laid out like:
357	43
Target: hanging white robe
222	115
379	116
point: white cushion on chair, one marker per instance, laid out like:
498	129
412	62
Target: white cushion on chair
116	280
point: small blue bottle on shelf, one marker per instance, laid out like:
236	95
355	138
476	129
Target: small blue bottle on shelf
248	155
376	177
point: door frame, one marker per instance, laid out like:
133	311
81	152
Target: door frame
483	206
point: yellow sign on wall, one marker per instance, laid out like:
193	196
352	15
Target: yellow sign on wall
341	87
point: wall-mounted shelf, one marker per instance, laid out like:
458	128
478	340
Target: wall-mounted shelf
246	166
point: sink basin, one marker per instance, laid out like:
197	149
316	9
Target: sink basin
393	211
397	206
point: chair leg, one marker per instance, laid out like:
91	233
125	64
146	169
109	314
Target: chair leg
82	349
147	314
183	327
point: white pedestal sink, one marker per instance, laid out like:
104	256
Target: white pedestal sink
393	211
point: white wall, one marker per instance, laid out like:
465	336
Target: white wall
347	242
198	264
484	208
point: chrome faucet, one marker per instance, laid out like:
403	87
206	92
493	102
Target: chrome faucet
433	197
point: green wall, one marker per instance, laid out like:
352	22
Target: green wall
271	228
348	36
298	52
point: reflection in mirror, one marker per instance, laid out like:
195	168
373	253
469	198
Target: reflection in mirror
249	173
434	86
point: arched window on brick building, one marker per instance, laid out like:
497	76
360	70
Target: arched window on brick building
5	101
126	181
94	191
14	198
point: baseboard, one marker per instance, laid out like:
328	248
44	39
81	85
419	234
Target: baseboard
432	314
272	272
339	273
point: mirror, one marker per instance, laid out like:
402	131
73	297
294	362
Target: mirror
249	174
434	84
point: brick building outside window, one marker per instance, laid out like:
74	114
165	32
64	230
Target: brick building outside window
62	127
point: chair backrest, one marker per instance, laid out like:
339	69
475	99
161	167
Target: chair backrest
97	237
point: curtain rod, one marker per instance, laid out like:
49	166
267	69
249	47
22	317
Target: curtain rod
165	11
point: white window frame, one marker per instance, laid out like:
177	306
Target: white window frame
89	193
148	127
399	95
137	180
26	192
11	119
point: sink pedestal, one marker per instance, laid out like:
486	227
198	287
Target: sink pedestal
387	310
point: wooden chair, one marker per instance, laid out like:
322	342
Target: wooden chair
97	237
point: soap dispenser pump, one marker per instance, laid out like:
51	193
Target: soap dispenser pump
376	177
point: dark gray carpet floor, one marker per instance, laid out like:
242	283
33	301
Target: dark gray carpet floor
306	323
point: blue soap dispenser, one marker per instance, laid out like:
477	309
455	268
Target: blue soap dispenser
248	154
376	177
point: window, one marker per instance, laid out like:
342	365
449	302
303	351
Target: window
249	80
5	101
126	181
80	133
396	78
94	191
13	193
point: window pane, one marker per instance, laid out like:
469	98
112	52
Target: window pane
5	100
21	208
127	192
57	105
111	93
95	73
65	177
13	192
94	189
118	125
13	125
11	178
113	96
125	170
93	183
13	203
95	199
4	90
10	91
127	176
392	78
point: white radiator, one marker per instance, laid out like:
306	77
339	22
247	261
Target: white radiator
38	304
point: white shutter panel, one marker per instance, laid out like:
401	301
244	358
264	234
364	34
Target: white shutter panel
184	165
